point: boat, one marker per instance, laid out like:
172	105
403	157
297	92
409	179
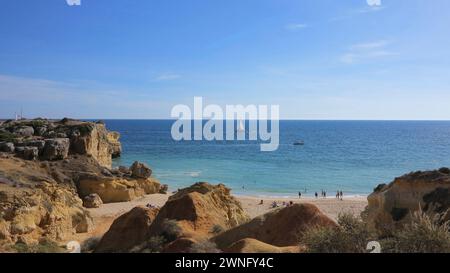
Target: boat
299	142
241	127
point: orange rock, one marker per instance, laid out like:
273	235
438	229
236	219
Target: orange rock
280	227
127	231
199	208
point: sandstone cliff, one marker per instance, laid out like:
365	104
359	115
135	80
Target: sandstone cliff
55	140
392	205
48	167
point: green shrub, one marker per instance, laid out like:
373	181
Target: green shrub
46	246
424	234
204	247
90	244
351	236
170	230
152	245
7	136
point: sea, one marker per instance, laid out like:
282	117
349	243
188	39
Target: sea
349	156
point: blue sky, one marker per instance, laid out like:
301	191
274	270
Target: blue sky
317	59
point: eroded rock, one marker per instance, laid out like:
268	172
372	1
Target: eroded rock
127	231
140	170
392	205
280	227
92	200
56	149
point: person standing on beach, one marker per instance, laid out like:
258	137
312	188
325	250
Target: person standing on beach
342	195
299	195
316	195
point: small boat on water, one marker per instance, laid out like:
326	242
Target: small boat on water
299	143
241	127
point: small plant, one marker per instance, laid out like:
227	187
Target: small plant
7	136
46	246
204	247
170	230
351	236
153	245
216	229
424	234
90	244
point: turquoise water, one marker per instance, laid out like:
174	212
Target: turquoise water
353	156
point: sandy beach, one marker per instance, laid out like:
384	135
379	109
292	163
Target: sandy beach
105	215
330	206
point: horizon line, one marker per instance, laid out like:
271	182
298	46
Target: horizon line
284	119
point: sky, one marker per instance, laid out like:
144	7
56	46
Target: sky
316	59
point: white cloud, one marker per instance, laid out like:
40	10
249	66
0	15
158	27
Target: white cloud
370	45
366	51
294	27
167	77
356	12
373	3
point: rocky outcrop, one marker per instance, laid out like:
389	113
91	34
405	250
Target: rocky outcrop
92	139
199	208
115	145
61	138
7	147
280	227
392	205
45	210
24	131
127	231
42	198
250	245
140	170
48	167
56	149
113	189
92	200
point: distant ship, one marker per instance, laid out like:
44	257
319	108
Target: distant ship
299	142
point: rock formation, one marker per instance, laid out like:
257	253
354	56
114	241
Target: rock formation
140	170
48	167
281	227
27	213
198	208
195	210
113	189
128	231
393	204
92	200
61	138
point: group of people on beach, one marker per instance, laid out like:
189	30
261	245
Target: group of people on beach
340	195
323	194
